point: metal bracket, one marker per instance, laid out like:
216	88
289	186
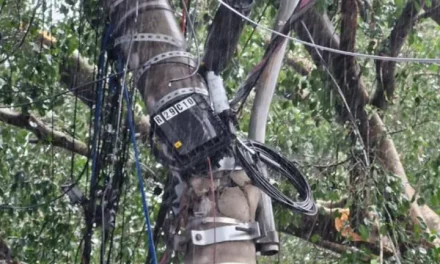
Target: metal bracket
222	220
162	57
239	232
150	37
206	220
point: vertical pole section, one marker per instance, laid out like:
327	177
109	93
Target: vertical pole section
265	89
234	196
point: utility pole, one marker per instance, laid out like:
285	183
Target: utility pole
265	89
218	216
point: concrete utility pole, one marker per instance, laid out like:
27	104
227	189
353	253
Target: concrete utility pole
265	89
267	84
219	213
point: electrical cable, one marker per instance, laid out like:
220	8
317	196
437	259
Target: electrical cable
33	206
100	87
71	90
139	174
193	18
344	100
376	57
341	52
196	41
256	159
248	40
91	211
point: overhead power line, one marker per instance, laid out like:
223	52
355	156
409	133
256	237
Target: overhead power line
342	52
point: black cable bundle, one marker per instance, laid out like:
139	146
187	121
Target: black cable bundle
255	158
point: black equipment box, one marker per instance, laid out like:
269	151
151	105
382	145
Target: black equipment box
190	132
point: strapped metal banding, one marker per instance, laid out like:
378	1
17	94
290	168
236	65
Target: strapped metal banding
162	57
153	37
174	94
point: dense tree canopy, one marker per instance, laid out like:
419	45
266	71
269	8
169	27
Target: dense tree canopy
364	131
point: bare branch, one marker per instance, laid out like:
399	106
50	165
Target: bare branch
76	72
44	133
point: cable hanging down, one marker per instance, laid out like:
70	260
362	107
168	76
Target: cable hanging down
257	159
149	230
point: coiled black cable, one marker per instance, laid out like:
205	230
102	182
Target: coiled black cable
256	159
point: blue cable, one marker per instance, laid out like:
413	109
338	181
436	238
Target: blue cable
100	85
139	173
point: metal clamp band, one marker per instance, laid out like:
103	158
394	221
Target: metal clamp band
222	220
174	94
240	232
159	58
150	37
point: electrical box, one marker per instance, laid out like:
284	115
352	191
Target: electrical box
189	132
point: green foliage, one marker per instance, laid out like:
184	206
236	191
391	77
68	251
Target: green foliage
302	124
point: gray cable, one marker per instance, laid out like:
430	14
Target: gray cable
347	53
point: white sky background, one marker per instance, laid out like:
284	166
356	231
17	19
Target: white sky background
53	10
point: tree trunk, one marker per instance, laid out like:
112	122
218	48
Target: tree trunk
234	202
372	129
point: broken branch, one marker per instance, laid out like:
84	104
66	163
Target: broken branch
44	133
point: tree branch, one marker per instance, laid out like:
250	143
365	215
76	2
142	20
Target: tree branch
44	133
6	255
372	129
348	27
434	11
77	75
298	66
385	70
331	231
77	72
